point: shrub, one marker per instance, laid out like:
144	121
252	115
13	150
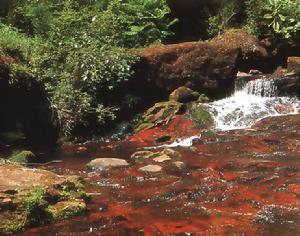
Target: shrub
80	54
274	17
14	42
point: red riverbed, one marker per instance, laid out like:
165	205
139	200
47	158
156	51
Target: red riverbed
243	182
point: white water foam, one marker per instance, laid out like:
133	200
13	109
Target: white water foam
256	100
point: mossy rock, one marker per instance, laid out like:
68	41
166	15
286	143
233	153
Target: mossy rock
184	95
203	99
163	111
67	209
23	157
36	197
201	117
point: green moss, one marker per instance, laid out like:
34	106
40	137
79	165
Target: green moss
63	210
203	99
23	157
201	117
165	109
11	223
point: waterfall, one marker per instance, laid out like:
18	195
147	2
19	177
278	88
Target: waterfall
261	88
257	99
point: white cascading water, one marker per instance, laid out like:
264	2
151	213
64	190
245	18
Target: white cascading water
256	100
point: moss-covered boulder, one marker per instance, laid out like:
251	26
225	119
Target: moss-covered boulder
184	94
201	117
23	157
31	197
160	113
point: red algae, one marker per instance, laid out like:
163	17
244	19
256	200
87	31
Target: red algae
242	182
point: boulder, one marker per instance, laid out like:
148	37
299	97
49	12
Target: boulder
106	163
293	65
34	196
253	53
200	116
184	95
161	112
201	65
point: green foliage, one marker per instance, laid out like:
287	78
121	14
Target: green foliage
284	16
279	17
80	51
22	157
14	42
35	200
223	17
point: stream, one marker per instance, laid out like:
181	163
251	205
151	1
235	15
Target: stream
242	179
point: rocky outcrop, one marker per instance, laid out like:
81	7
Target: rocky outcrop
253	52
199	65
166	121
32	197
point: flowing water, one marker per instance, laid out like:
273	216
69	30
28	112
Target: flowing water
237	182
255	100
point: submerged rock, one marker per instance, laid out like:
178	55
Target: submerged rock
151	168
142	155
28	195
172	153
106	163
179	164
162	158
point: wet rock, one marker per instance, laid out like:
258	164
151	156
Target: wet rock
23	157
243	75
151	168
163	139
203	99
162	158
142	155
179	164
106	163
255	72
184	95
201	118
65	209
24	198
293	65
172	153
163	112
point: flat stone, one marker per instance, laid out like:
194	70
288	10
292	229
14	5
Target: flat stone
162	158
106	163
151	168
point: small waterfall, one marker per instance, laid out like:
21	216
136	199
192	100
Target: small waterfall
261	88
255	100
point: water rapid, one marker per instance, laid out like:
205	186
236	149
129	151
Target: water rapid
255	100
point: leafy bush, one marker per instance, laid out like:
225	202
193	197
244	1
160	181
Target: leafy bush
80	51
14	42
279	17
